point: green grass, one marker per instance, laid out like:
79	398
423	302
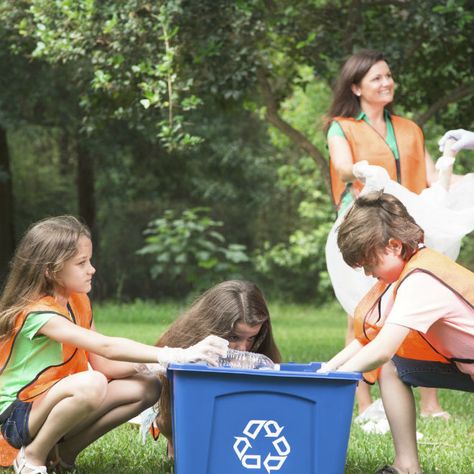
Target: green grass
304	333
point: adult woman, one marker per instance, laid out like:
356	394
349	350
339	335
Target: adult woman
234	310
361	126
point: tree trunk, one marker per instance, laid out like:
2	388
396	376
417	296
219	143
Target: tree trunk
7	228
86	186
273	116
461	92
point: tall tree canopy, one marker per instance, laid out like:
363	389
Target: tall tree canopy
154	102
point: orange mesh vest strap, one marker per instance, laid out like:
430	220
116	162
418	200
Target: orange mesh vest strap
368	322
367	144
458	279
367	318
74	359
7	453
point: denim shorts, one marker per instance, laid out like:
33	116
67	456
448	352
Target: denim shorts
422	373
15	426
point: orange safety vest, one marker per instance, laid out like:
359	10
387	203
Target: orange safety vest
74	359
368	320
367	144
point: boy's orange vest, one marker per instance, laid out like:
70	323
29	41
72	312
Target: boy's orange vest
367	323
367	144
74	359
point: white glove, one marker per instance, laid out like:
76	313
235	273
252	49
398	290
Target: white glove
374	177
151	369
464	140
209	350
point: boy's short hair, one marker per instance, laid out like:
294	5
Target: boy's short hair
373	220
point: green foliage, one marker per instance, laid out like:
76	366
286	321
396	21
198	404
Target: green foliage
296	267
42	173
190	249
125	57
164	95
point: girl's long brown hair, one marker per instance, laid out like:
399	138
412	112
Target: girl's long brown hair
38	259
216	312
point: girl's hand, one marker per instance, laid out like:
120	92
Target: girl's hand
209	350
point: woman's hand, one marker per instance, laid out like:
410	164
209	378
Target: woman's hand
464	140
374	177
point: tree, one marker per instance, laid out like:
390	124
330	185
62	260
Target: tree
7	235
133	84
157	55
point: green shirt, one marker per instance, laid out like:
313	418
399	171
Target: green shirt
32	353
335	130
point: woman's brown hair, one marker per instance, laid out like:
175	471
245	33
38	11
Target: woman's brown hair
345	103
216	312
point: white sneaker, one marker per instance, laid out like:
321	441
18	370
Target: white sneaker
21	466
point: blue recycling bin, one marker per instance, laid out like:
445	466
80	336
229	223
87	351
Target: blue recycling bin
239	421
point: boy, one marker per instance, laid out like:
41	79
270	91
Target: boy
421	309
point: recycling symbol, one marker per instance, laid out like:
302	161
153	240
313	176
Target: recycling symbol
272	461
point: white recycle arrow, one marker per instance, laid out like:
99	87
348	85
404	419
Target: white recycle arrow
259	424
277	429
286	447
240	452
275	467
254	461
249	458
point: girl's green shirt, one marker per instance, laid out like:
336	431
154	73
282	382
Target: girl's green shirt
32	353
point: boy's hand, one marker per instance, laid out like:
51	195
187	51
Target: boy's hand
464	140
324	369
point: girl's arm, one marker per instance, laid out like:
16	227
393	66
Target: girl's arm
341	157
341	357
378	351
112	369
62	330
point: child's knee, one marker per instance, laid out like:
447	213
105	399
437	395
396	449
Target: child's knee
91	390
150	390
388	372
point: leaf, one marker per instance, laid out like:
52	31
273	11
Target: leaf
145	103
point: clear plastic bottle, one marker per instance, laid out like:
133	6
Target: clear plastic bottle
247	360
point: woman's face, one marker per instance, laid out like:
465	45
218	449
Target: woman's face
243	336
377	86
